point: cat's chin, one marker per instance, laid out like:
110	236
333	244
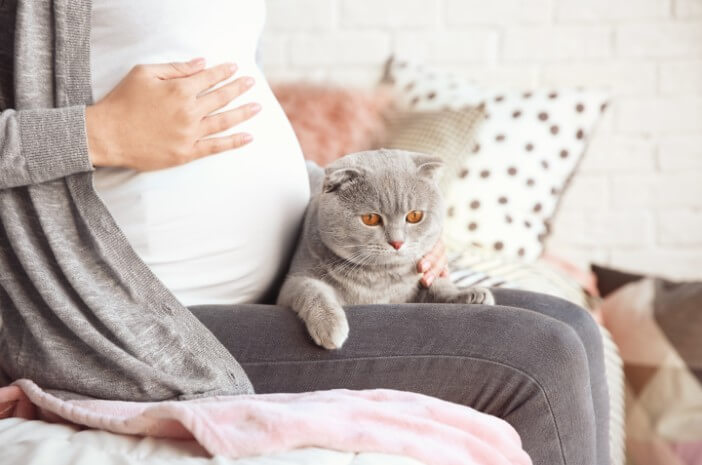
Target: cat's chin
384	258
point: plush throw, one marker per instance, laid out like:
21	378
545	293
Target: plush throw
433	431
507	191
332	121
657	325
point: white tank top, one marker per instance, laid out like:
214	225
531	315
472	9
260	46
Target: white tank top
217	230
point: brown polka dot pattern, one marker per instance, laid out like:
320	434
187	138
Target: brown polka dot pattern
519	164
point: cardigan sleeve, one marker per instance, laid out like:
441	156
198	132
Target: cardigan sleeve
41	145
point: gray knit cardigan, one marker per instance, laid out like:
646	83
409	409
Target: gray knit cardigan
80	312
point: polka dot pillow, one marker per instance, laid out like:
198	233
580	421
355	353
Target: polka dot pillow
506	192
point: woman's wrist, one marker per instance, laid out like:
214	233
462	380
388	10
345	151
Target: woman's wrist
98	145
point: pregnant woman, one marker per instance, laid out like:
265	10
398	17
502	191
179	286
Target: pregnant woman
149	203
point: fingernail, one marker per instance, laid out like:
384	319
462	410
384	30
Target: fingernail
246	137
233	68
254	107
248	82
428	279
423	266
197	61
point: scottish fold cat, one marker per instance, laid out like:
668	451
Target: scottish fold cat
374	216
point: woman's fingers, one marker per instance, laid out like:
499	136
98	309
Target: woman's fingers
220	97
219	122
175	69
438	270
433	265
205	79
205	147
430	259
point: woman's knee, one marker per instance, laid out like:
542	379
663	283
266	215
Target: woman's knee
560	356
569	313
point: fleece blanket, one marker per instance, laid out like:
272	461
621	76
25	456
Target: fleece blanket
431	430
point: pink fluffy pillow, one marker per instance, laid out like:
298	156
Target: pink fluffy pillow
332	121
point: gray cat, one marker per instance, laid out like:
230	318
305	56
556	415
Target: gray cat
377	213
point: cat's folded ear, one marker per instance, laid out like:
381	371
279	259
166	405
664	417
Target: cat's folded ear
337	178
428	166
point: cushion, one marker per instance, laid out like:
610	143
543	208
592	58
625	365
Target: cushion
448	134
657	325
332	121
478	266
524	154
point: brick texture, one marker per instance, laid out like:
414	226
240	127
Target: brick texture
637	200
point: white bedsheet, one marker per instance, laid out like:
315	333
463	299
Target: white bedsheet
33	442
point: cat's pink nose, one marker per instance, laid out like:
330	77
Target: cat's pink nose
396	244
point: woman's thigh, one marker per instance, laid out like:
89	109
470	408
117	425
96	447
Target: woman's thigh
523	366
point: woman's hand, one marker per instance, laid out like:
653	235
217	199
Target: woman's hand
159	115
433	264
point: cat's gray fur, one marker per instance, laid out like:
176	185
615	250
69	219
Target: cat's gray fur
341	261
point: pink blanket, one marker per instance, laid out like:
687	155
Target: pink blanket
430	430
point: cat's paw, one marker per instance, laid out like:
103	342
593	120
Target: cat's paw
328	328
477	295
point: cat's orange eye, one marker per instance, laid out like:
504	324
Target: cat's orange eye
415	216
371	219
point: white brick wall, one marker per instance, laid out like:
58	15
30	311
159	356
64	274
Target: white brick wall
637	200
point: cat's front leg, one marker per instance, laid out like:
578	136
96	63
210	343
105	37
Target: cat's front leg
316	304
443	290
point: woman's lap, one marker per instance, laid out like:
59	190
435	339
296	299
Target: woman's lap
531	367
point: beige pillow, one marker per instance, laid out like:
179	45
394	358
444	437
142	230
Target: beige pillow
447	134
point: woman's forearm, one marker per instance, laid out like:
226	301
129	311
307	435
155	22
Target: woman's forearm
40	145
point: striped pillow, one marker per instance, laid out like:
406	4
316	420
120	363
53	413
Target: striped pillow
481	267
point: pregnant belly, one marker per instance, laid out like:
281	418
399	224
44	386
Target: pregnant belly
220	229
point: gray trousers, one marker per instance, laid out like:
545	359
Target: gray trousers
534	360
